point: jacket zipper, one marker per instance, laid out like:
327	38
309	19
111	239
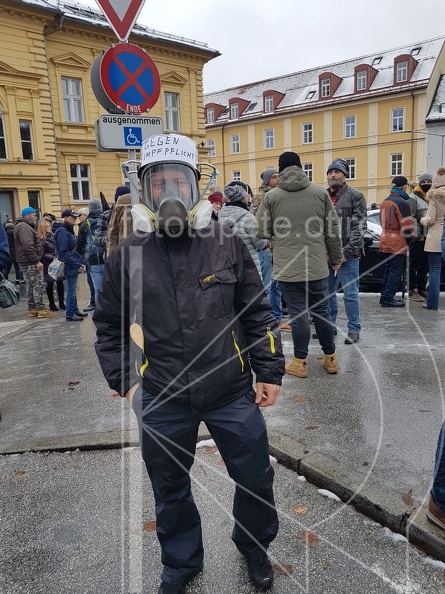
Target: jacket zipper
271	339
238	350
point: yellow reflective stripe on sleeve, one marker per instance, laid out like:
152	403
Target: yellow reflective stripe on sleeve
271	340
238	350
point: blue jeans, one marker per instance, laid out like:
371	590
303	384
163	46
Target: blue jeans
168	435
392	276
347	275
96	272
71	296
438	489
435	263
272	286
300	298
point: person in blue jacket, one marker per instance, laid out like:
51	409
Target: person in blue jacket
4	248
66	251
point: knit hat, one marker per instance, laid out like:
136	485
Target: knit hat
120	191
425	176
235	191
439	178
95	206
340	165
267	174
288	159
216	198
399	181
28	210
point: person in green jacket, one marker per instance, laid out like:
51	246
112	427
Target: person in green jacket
301	218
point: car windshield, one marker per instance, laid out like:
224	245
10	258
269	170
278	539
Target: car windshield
374	216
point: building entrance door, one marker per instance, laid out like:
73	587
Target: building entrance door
6	210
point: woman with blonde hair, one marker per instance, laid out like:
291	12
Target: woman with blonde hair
434	221
44	231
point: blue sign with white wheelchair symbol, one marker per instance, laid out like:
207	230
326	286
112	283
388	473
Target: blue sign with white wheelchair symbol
133	137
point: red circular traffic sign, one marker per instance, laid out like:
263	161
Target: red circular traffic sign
130	78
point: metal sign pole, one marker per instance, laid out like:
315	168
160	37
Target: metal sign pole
133	176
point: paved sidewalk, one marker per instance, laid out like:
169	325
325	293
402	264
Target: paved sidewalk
368	434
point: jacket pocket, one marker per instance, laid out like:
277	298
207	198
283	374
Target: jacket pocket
218	289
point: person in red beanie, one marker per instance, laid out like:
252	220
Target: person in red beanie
217	202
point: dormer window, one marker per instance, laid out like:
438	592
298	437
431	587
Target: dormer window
401	72
268	104
362	80
325	87
210	115
234	111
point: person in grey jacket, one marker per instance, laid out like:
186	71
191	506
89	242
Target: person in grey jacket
302	219
350	205
235	214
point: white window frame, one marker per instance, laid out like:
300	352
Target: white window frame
79	180
3	145
172	119
362	80
26	141
234	144
325	87
212	147
268	104
397	118
73	110
395	164
352	167
307	133
236	175
402	71
234	110
269	139
210	115
350	126
308	168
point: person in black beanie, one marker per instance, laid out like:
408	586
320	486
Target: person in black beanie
288	159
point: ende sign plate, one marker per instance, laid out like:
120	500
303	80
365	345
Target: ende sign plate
121	132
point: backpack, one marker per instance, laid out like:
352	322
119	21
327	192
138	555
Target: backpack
91	250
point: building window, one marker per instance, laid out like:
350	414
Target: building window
25	137
210	115
351	163
212	149
2	136
308	168
401	72
350	127
236	175
310	95
72	100
307	133
234	111
325	87
268	139
171	111
376	61
396	164
268	103
234	143
34	201
362	80
397	119
80	182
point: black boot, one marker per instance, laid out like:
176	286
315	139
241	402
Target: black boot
50	294
61	294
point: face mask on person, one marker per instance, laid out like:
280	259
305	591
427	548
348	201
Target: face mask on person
425	187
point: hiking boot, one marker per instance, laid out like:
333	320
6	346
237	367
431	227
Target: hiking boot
45	313
415	296
435	514
260	573
298	367
330	363
32	313
53	307
285	327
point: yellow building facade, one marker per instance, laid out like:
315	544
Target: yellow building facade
371	111
48	153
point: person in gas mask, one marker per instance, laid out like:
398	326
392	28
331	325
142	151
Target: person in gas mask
181	319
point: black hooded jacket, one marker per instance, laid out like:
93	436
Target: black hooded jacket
199	307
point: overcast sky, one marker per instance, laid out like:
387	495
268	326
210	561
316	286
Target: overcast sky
260	39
